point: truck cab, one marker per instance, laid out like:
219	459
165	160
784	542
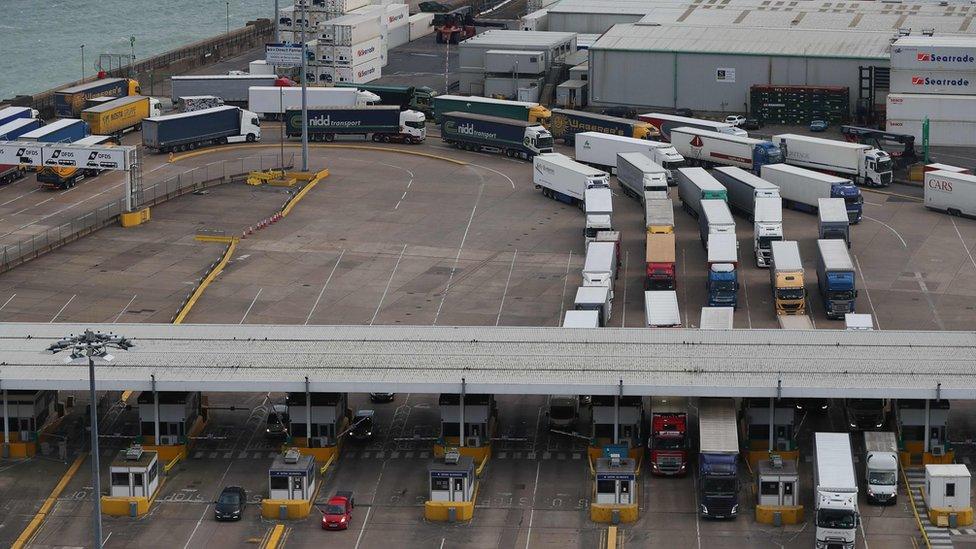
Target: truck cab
877	168
881	467
722	283
719	485
864	414
598	204
786	278
852	199
539	115
563	411
538	139
764	153
836	491
767	228
423	100
413	125
668	442
670	160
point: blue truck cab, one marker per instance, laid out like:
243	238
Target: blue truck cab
852	198
835	278
764	153
718	485
722	283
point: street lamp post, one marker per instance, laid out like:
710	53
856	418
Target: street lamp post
228	16
83	62
92	345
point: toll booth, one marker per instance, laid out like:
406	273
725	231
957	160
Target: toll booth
768	432
452	484
328	416
922	431
25	414
947	495
134	480
777	489
180	417
478	414
625	420
292	486
615	490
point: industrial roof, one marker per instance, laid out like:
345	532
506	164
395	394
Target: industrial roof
518	39
507	360
745	41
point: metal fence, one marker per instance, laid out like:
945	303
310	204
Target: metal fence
199	178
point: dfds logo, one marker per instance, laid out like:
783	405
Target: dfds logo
940	185
935	58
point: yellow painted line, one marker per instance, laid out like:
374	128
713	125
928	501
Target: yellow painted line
328	464
209	238
202	152
274	538
918	520
126	395
38	519
172	463
611	537
206	282
301	194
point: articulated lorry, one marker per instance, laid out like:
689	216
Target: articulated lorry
637	175
65	130
65	177
835	278
190	130
695	185
9	114
666	122
598	206
881	467
661	309
669	440
562	178
801	189
835	485
660	261
16	128
864	164
715	218
232	88
722	282
69	102
384	123
566	124
786	278
524	111
951	192
602	150
120	115
718	457
744	188
833	221
271	102
706	148
767	227
414	98
600	265
479	132
595	298
659	216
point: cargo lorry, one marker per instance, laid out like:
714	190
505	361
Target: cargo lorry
835	278
950	192
722	263
661	309
660	262
595	298
189	103
581	319
121	115
563	410
744	188
866	414
566	123
270	102
786	278
65	130
695	185
16	128
715	218
801	189
637	175
835	485
69	102
598	206
479	132
718	458
232	88
716	318
659	216
65	177
664	123
190	130
600	265
767	227
669	441
524	111
9	114
414	98
562	178
881	467
384	123
833	221
601	150
707	149
864	164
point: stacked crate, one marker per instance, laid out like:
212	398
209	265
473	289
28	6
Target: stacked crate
799	105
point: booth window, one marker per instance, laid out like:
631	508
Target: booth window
449	429
606	486
950	489
279	483
440	483
137	479
769	488
153	472
120	479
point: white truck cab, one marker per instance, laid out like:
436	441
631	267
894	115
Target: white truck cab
881	467
413	124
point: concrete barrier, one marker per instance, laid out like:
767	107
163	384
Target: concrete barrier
789	514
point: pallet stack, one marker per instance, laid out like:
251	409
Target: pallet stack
799	105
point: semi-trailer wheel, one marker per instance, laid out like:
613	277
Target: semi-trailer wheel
250	138
386	138
329	137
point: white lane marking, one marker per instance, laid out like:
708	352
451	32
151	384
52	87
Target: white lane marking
928	297
964	245
623	304
697	517
464	237
61	310
562	296
497	172
408	184
326	285
745	294
684	290
124	309
889	227
388	282
535	488
442	542
860	271
249	307
66	208
11	298
18	212
505	293
19	197
363	530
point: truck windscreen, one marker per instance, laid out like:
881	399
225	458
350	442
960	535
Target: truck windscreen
835	518
882	478
719	486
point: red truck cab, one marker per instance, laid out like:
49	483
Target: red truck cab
338	511
660	254
668	442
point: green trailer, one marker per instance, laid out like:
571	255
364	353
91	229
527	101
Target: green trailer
416	98
502	108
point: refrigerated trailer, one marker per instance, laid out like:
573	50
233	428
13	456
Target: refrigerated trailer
694	185
862	163
706	148
718	457
767	227
272	101
744	188
951	192
189	130
659	216
835	483
833	222
562	178
715	218
637	174
601	149
801	189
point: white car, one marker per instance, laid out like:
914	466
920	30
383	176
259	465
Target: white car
735	119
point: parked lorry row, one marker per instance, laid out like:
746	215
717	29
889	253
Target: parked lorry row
386	123
602	150
478	132
190	130
759	201
864	164
707	148
801	189
664	123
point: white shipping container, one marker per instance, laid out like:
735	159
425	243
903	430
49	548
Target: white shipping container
941	132
358	74
421	24
349	29
951	192
933	82
397	15
661	309
274	100
956	108
934	53
535	21
345	6
356	54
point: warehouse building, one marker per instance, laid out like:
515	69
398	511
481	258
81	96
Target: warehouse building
500	62
712	68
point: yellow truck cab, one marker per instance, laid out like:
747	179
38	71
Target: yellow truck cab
786	278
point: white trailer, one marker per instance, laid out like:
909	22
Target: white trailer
273	101
659	216
600	265
349	29
695	184
601	149
863	163
942	53
858	321
744	188
708	148
260	66
661	309
716	318
767	227
715	219
802	189
598	205
565	178
952	118
581	319
232	88
833	222
638	174
795	322
596	299
836	491
951	192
